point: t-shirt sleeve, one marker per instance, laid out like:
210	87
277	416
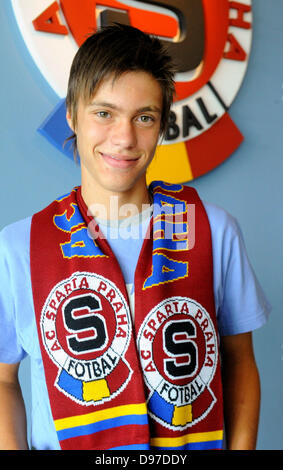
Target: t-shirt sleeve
11	350
240	301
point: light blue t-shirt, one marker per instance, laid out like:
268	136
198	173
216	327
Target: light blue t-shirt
239	300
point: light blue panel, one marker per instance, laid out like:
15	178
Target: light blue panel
248	184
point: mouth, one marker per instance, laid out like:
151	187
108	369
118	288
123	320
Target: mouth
119	161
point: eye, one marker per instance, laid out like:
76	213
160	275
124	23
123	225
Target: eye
103	114
145	119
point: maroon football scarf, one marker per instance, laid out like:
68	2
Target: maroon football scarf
114	383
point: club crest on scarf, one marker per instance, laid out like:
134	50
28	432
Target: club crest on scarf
88	349
178	350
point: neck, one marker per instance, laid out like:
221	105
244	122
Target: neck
116	205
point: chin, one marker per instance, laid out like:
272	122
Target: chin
121	184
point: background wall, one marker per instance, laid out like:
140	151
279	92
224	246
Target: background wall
248	184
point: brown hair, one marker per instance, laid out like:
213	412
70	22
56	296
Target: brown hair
114	50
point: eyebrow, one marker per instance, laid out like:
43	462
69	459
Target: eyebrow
106	104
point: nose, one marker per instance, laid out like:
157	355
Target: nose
123	134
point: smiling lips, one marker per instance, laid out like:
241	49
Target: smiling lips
119	161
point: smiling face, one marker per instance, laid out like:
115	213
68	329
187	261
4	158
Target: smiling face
117	133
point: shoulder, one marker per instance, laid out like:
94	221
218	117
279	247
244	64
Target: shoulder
225	229
219	219
240	300
228	245
15	237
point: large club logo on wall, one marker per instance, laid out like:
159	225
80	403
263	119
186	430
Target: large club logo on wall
210	41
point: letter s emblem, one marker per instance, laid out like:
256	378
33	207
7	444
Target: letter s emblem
177	342
79	315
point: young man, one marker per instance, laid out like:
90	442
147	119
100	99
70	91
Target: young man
122	328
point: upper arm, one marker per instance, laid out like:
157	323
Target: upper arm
13	297
240	301
9	373
237	349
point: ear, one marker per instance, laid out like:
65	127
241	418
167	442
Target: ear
70	120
